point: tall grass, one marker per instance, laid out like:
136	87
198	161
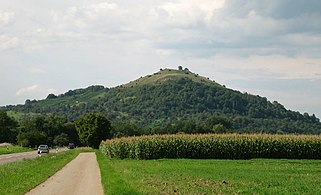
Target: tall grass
214	146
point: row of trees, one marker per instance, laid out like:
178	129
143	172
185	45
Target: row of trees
90	129
54	131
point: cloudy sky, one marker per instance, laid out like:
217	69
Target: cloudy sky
267	47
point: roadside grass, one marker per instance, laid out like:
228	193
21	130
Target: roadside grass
13	149
187	176
112	181
22	176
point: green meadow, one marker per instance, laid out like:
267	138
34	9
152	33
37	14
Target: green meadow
187	176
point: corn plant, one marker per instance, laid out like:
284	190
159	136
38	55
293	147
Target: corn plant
214	146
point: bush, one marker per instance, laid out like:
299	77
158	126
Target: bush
214	146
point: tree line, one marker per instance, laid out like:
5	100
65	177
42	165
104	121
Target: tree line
92	128
31	131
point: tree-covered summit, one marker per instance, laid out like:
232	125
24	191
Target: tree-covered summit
171	100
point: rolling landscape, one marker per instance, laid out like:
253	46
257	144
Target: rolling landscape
160	97
170	101
171	114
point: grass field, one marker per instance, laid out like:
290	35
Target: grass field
185	176
20	177
112	181
13	149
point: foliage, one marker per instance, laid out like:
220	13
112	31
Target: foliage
31	138
7	128
61	140
214	146
169	98
36	130
92	129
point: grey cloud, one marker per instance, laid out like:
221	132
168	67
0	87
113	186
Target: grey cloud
287	9
268	27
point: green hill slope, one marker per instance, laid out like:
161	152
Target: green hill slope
170	96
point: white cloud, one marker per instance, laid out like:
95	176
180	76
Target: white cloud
94	10
190	12
163	52
84	16
276	67
8	42
27	90
36	70
35	91
6	17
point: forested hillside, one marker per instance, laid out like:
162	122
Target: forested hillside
172	101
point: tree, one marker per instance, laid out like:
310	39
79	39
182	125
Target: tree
180	68
92	129
50	126
51	96
219	128
7	128
61	140
31	138
71	131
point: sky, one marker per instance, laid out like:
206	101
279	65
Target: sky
270	48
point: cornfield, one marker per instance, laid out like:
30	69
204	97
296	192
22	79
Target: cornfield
214	146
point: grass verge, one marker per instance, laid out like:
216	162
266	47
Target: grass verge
112	181
20	177
187	176
13	149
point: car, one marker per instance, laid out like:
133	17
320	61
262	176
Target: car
71	145
43	149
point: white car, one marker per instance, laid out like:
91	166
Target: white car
43	149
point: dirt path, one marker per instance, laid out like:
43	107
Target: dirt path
80	176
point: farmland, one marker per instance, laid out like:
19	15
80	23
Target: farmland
176	176
214	146
192	176
201	164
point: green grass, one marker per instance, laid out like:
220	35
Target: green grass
20	177
169	74
13	149
186	176
113	182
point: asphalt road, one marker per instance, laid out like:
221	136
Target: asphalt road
8	158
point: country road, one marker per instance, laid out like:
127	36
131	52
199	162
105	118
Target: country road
8	158
79	177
